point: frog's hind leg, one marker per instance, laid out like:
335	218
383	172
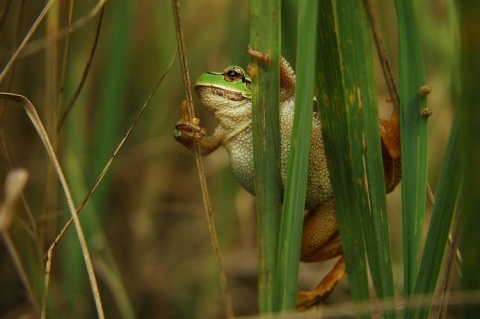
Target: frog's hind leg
321	292
321	241
320	237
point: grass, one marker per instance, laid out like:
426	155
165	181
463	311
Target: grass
346	182
297	168
265	37
413	136
469	201
144	227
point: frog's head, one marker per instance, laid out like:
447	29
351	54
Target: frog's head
227	93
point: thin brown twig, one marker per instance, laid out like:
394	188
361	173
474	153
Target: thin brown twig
201	173
183	58
84	75
48	267
382	54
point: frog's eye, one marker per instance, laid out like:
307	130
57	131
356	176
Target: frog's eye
233	75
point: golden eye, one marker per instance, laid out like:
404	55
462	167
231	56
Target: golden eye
233	75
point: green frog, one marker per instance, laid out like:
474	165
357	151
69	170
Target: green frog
227	95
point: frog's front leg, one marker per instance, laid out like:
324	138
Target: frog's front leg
187	131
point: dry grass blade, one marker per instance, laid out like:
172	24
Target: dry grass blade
66	51
40	44
109	163
18	40
84	76
451	261
14	185
33	115
21	271
25	40
183	57
201	173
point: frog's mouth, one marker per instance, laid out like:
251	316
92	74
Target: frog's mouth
203	90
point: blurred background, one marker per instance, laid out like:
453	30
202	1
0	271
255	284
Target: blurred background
145	223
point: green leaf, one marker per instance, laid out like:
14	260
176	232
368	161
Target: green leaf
470	152
342	135
265	37
298	161
439	228
413	137
359	76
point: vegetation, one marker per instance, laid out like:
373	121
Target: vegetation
90	70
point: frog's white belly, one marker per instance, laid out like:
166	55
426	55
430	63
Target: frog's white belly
240	149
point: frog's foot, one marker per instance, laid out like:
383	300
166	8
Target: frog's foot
390	134
307	299
390	137
189	130
186	132
262	56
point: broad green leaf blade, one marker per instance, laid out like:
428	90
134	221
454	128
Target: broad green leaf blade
298	161
470	151
359	73
413	137
341	132
439	228
265	37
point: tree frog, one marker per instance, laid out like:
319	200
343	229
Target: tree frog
227	95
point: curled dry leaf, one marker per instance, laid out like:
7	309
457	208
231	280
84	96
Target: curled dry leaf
14	184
